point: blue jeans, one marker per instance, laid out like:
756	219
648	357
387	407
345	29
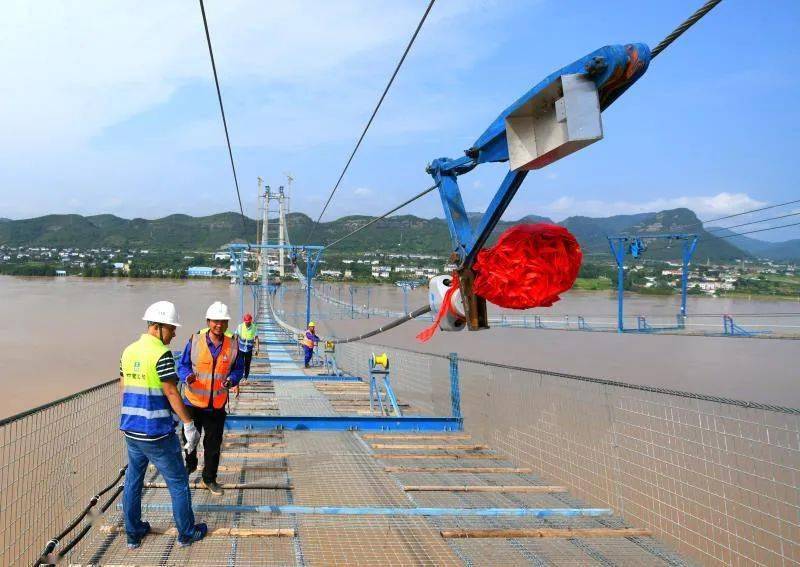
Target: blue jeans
165	454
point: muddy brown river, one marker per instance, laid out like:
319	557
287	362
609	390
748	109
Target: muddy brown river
64	334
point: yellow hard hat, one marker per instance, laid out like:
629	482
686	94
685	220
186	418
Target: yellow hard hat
312	324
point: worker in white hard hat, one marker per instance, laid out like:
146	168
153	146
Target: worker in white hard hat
150	401
210	366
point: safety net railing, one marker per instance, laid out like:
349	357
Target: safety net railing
53	460
715	478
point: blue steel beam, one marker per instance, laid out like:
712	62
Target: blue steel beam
238	422
302	378
392	511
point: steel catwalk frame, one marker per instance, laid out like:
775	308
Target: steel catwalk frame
634	244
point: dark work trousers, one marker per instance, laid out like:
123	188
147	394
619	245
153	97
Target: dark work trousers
248	358
212	425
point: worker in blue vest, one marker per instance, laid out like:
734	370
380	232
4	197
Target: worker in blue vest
149	398
309	340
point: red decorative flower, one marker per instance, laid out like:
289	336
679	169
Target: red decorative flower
530	265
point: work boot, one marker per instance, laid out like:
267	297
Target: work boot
135	541
212	487
200	531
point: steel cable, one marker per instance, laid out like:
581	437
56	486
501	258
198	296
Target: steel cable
689	22
371	118
383	216
224	122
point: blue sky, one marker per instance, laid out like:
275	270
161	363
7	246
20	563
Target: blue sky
110	106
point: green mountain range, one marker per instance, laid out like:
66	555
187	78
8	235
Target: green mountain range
406	233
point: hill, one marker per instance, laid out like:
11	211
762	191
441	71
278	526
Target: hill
403	232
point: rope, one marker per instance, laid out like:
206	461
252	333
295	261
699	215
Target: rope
383	216
758	230
371	118
224	121
752	211
689	22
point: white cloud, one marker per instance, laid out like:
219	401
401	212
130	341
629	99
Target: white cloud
81	67
705	206
362	192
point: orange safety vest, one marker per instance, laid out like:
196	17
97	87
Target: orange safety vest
306	341
209	375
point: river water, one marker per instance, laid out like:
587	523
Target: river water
65	334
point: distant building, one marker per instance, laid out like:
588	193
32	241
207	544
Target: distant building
61	272
200	272
222	256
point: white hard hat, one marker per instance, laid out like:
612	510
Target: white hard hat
218	311
162	312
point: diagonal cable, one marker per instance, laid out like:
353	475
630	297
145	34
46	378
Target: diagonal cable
371	118
383	216
224	121
689	22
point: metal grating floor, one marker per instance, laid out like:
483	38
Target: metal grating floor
362	472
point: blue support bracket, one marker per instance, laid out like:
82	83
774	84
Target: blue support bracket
283	509
239	422
636	245
606	73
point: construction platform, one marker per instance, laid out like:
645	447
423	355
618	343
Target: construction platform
312	476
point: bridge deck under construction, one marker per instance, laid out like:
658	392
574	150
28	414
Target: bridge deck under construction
384	496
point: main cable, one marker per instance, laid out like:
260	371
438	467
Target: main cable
371	118
717	228
751	211
383	216
689	22
224	121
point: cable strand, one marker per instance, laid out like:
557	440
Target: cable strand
383	216
689	22
224	120
371	118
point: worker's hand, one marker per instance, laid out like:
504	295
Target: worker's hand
191	435
227	384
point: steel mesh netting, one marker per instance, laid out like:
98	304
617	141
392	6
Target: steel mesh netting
53	460
716	480
421	380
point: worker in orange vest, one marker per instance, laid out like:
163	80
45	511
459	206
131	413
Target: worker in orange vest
309	340
209	367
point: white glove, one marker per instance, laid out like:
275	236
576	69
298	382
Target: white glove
191	435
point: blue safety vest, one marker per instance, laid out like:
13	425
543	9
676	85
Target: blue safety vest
145	408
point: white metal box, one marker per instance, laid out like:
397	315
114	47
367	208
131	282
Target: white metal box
562	118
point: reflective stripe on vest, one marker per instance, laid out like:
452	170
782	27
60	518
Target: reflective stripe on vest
206	391
246	337
145	408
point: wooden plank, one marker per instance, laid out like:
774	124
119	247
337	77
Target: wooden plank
437	456
254	435
529	488
231	486
481	470
271	444
405	436
546	533
429	447
248	467
213	532
255	455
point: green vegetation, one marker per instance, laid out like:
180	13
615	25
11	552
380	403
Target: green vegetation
32	269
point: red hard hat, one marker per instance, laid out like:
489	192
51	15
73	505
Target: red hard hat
248	318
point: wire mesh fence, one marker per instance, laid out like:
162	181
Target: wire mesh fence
52	461
717	479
